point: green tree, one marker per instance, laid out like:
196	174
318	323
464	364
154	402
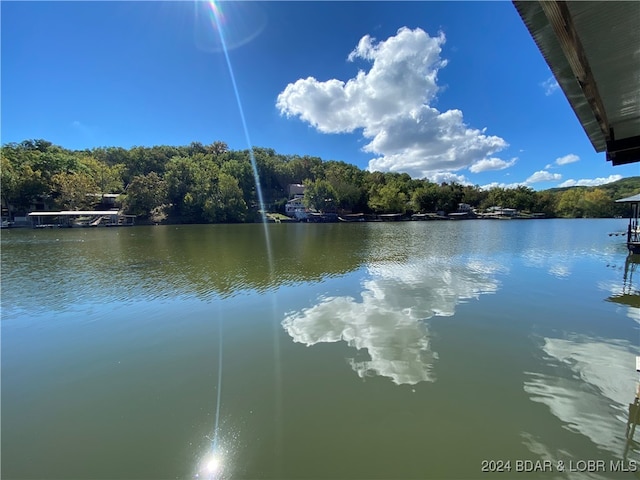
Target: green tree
107	178
597	204
449	196
225	202
571	203
143	160
195	148
319	195
111	155
56	160
200	191
546	202
388	198
305	168
474	195
522	198
73	191
217	148
20	185
346	181
240	169
425	198
144	193
191	181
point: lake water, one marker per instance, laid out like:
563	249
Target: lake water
375	350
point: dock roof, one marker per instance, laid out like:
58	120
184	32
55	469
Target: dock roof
71	213
631	199
592	49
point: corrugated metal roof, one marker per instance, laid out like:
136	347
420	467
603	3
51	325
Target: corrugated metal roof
610	34
593	50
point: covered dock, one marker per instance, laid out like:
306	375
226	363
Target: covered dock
633	230
80	218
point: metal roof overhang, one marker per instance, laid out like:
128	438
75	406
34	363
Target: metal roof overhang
632	199
593	50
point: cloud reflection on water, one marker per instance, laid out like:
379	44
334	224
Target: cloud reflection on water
555	455
388	320
591	397
634	314
558	266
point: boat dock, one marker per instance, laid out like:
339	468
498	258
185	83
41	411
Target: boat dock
633	229
80	218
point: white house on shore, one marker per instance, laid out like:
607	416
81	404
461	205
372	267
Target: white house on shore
295	207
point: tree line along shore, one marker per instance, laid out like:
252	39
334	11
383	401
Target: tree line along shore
212	184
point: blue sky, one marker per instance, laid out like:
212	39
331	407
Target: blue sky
442	90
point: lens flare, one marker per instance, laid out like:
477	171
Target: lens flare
216	15
243	22
217	20
217	12
219	393
213	463
211	466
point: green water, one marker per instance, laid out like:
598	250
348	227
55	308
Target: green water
411	350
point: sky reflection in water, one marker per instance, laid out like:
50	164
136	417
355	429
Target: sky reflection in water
592	382
134	352
389	319
586	381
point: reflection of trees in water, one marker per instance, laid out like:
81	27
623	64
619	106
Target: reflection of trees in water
225	259
388	319
145	263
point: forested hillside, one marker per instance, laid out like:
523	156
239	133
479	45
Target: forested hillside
209	183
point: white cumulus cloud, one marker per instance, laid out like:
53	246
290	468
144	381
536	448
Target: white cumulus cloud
491	185
491	164
550	85
448	177
590	182
543	176
571	158
536	177
390	103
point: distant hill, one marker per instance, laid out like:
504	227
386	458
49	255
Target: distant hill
625	187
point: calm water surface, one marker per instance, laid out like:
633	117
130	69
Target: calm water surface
412	350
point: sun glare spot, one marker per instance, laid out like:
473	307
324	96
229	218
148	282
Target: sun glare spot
219	27
211	466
